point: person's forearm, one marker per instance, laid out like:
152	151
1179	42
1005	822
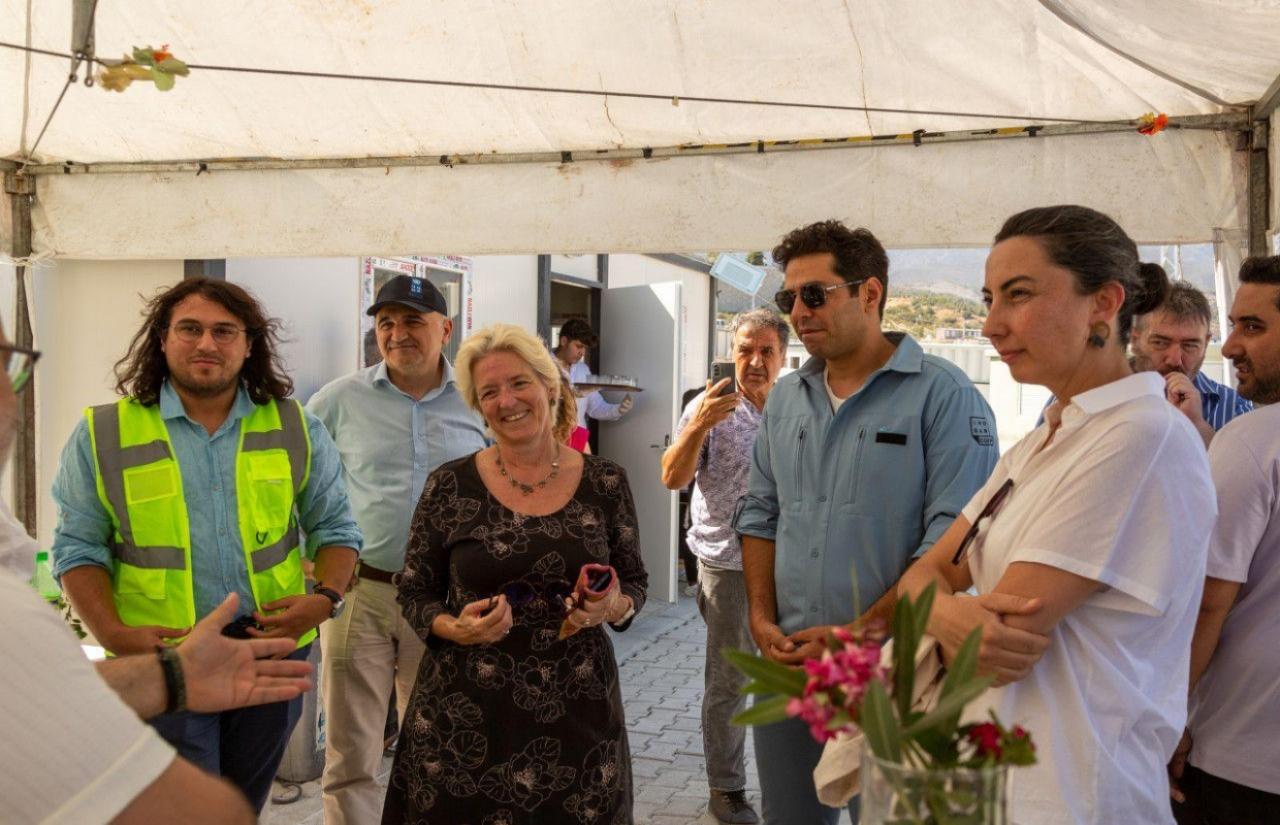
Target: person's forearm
757	571
919	575
88	588
334	567
1205	641
680	461
1206	431
138	681
882	611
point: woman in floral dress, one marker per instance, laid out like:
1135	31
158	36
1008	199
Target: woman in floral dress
509	723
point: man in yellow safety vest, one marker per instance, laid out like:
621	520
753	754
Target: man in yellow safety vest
203	480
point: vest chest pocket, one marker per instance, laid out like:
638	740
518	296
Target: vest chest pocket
151	495
272	491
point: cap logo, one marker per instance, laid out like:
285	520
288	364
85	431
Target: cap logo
415	286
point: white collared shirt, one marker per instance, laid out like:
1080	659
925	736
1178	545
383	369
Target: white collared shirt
1121	495
1235	711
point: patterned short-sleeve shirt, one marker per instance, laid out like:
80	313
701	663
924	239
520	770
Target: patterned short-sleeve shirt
724	467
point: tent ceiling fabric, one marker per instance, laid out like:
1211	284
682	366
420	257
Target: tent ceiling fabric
1013	57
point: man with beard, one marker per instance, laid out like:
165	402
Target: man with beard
865	456
713	447
1227	768
1173	341
192	486
394	423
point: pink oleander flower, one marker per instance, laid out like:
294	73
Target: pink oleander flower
836	682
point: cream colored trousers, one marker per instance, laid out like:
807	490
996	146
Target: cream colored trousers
363	651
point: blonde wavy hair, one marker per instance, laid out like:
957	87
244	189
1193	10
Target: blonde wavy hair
525	346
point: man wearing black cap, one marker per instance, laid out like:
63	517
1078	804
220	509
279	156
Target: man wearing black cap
393	423
576	337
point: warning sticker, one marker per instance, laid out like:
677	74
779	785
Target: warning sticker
980	429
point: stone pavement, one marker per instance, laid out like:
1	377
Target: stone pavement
660	661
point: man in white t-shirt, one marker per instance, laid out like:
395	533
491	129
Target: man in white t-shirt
1232	774
75	750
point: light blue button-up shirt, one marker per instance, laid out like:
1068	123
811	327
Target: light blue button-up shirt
390	442
207	464
865	489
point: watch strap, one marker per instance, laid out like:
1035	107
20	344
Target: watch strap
175	684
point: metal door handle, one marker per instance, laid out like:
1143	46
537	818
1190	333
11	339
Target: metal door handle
666	442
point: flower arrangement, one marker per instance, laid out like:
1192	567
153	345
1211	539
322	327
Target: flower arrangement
157	65
851	688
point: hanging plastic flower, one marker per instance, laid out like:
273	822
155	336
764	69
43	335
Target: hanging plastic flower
157	65
1152	123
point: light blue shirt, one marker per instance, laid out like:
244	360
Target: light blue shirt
1219	403
867	488
207	464
389	444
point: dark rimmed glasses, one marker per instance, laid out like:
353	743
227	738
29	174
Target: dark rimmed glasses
813	295
962	552
193	331
19	362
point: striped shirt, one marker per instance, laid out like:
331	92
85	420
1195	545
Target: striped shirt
1218	402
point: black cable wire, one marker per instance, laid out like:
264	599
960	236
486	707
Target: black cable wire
76	59
512	87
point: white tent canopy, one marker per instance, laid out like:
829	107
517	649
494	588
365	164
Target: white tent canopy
1108	60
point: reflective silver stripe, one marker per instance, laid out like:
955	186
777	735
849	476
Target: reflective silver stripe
273	554
140	454
106	439
291	437
165	558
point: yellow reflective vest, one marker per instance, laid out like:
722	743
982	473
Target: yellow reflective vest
140	485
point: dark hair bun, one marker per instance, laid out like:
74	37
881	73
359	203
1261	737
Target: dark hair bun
1153	287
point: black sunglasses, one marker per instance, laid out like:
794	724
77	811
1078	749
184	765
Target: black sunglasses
987	512
813	295
521	593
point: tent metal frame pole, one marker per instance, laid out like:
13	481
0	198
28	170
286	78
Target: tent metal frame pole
1230	121
1259	188
21	192
1269	102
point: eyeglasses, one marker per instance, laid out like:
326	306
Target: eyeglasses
987	512
813	295
19	362
191	332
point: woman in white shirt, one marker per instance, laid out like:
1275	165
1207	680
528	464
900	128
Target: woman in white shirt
1096	524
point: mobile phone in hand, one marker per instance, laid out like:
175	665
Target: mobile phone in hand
721	370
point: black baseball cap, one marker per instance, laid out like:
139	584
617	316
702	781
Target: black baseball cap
415	293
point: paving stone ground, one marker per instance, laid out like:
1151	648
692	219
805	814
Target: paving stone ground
661	665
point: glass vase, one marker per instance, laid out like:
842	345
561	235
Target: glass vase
894	794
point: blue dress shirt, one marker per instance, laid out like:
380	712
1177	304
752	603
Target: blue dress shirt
864	490
390	442
208	467
1218	402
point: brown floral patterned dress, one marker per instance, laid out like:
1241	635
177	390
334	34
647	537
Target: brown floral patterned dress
529	729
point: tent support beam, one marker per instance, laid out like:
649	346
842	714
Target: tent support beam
20	189
1269	102
1230	121
1259	188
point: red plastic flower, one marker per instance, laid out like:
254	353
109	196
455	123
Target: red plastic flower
161	54
986	737
1152	123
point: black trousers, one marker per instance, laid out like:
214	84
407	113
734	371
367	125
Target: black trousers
245	746
1212	800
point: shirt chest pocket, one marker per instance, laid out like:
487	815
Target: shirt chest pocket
152	496
887	463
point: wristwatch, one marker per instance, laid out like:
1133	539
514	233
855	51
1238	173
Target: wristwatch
626	617
333	596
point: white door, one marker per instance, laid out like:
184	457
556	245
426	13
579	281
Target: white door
640	326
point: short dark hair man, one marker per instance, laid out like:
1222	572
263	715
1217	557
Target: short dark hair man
713	445
1232	775
1173	341
196	484
575	339
865	456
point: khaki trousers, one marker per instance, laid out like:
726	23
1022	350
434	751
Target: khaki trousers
364	650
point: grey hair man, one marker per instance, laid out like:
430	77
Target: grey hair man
713	446
1173	341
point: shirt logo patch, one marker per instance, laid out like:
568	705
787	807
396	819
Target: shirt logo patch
981	431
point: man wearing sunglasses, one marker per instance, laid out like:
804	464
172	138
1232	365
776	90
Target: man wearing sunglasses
201	481
865	456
